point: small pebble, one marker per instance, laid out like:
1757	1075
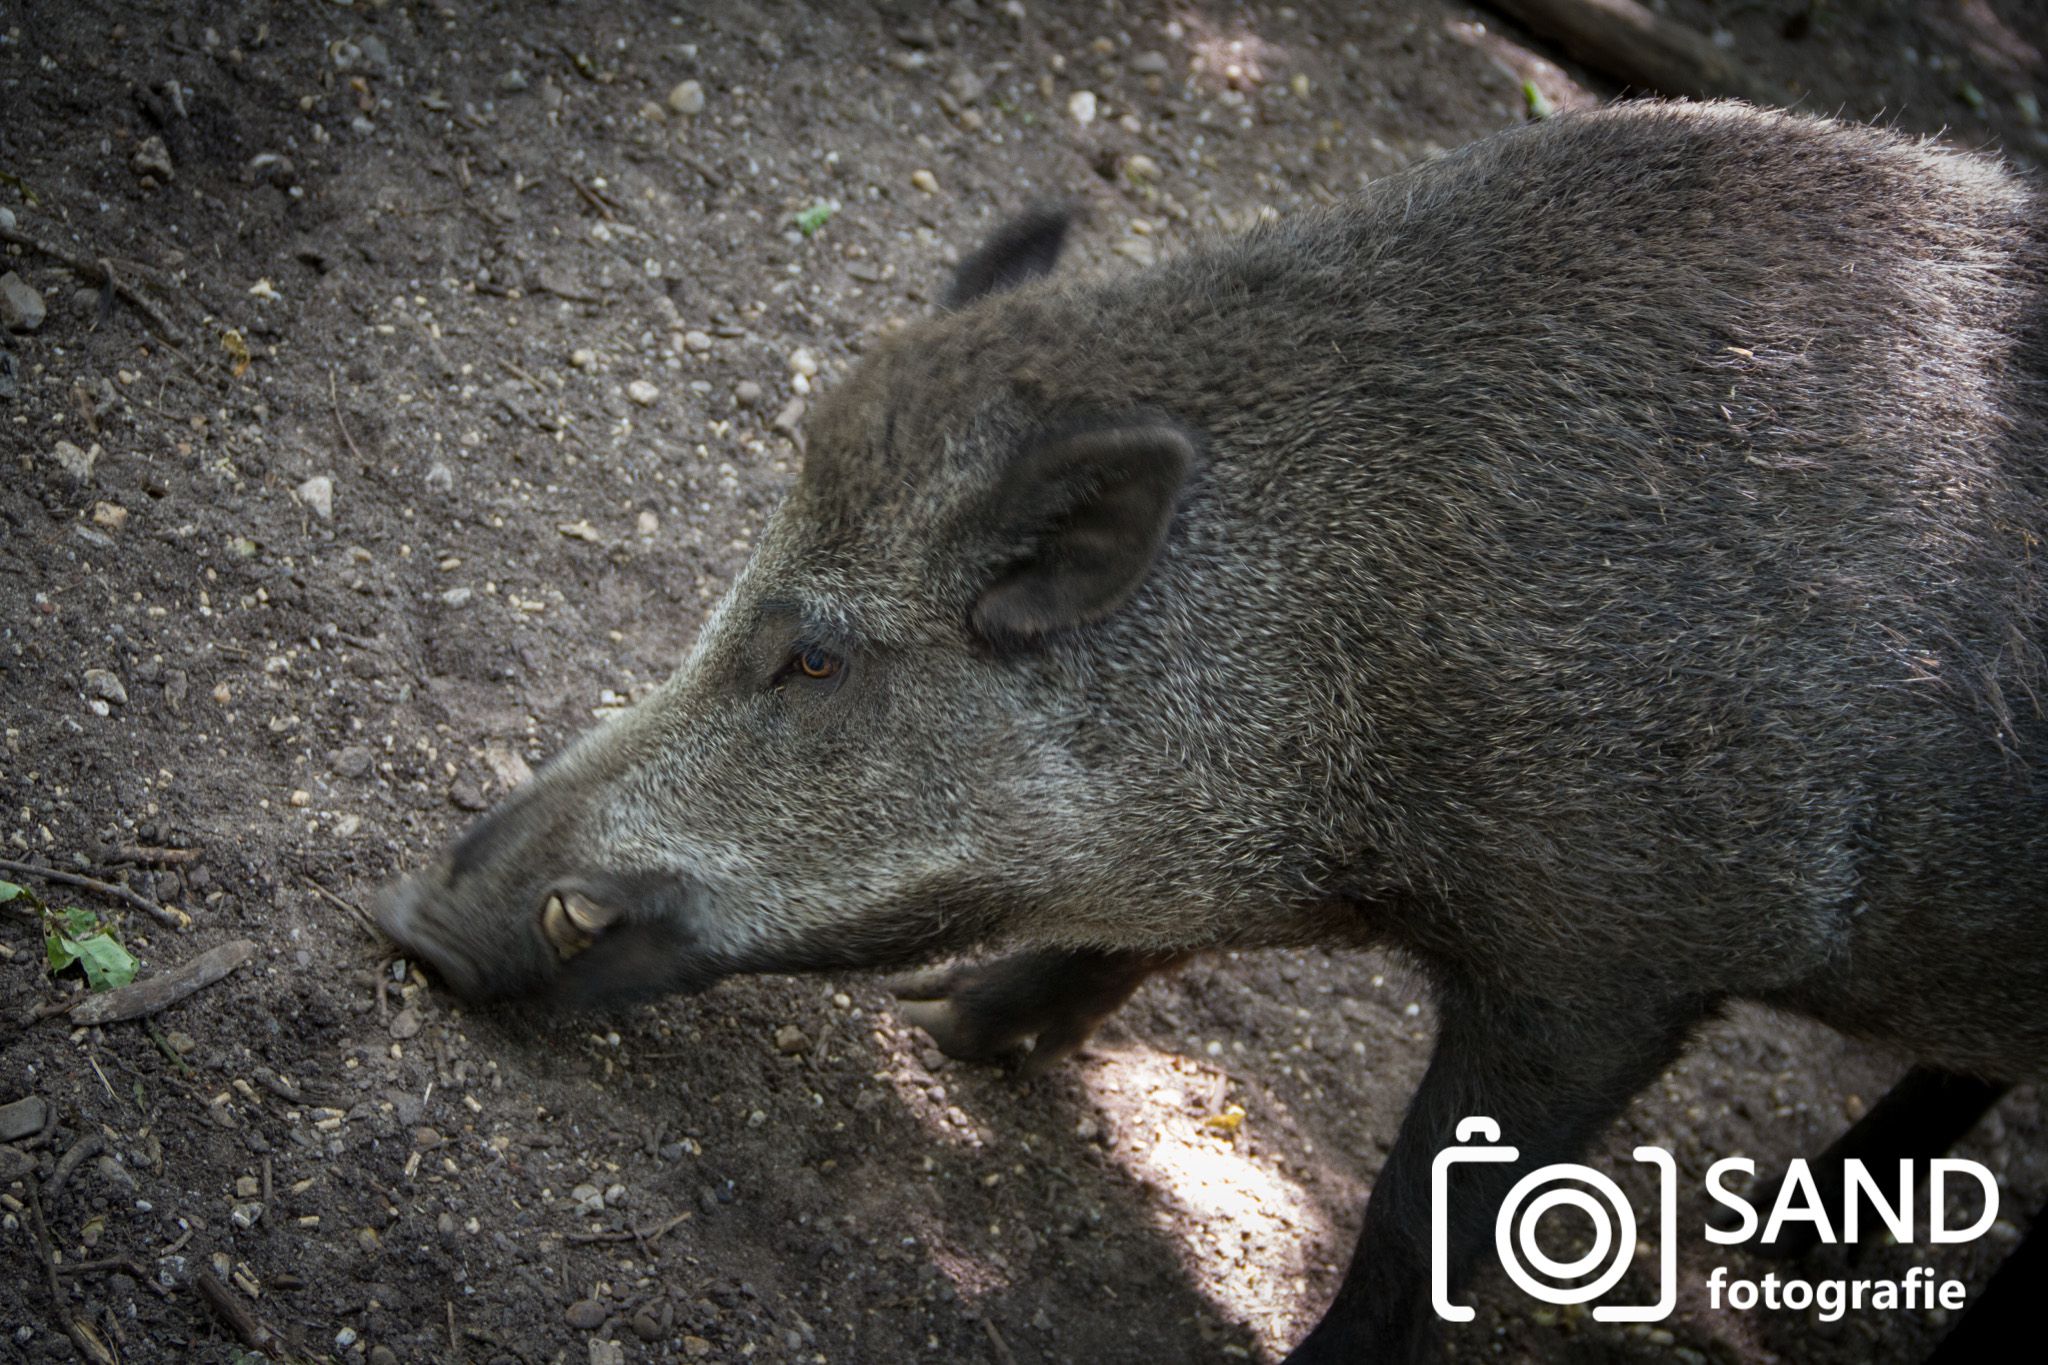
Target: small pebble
152	158
642	392
966	86
924	180
21	307
405	1024
746	393
1081	107
103	684
318	494
585	1314
687	98
790	1038
111	515
802	362
23	1118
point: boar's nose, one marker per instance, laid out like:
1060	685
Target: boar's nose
399	913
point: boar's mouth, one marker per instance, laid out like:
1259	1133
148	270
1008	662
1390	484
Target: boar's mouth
584	945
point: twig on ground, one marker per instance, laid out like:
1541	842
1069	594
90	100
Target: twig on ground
995	1339
97	272
334	397
253	1331
646	1237
83	1337
174	918
592	198
117	1263
369	925
92	1144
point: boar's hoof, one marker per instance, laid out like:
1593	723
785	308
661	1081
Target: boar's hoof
1055	998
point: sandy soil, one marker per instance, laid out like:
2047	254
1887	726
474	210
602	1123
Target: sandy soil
492	329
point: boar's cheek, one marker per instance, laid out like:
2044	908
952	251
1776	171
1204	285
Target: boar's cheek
633	962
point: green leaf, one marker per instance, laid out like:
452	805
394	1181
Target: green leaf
62	951
8	891
815	217
108	966
77	936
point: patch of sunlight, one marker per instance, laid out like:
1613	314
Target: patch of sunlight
1245	1230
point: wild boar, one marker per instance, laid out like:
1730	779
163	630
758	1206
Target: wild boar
1602	565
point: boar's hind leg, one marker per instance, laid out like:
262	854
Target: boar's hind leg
981	1012
1553	1077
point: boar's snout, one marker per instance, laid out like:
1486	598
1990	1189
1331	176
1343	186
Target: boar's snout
581	941
404	910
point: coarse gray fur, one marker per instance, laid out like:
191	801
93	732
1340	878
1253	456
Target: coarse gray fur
1603	563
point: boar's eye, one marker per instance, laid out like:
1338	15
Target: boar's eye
813	663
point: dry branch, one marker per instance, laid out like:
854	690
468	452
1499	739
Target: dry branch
1635	47
253	1331
165	989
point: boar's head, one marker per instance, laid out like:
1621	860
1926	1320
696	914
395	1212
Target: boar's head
882	744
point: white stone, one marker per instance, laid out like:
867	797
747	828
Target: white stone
318	494
687	98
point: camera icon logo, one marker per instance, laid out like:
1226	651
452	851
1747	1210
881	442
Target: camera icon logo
1561	1185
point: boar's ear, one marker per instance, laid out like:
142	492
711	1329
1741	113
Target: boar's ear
1021	250
1090	509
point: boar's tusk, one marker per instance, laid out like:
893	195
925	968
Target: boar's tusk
587	915
564	934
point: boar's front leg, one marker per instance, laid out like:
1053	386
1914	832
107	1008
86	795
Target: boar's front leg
1553	1076
1057	997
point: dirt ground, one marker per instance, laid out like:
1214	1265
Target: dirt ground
494	323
